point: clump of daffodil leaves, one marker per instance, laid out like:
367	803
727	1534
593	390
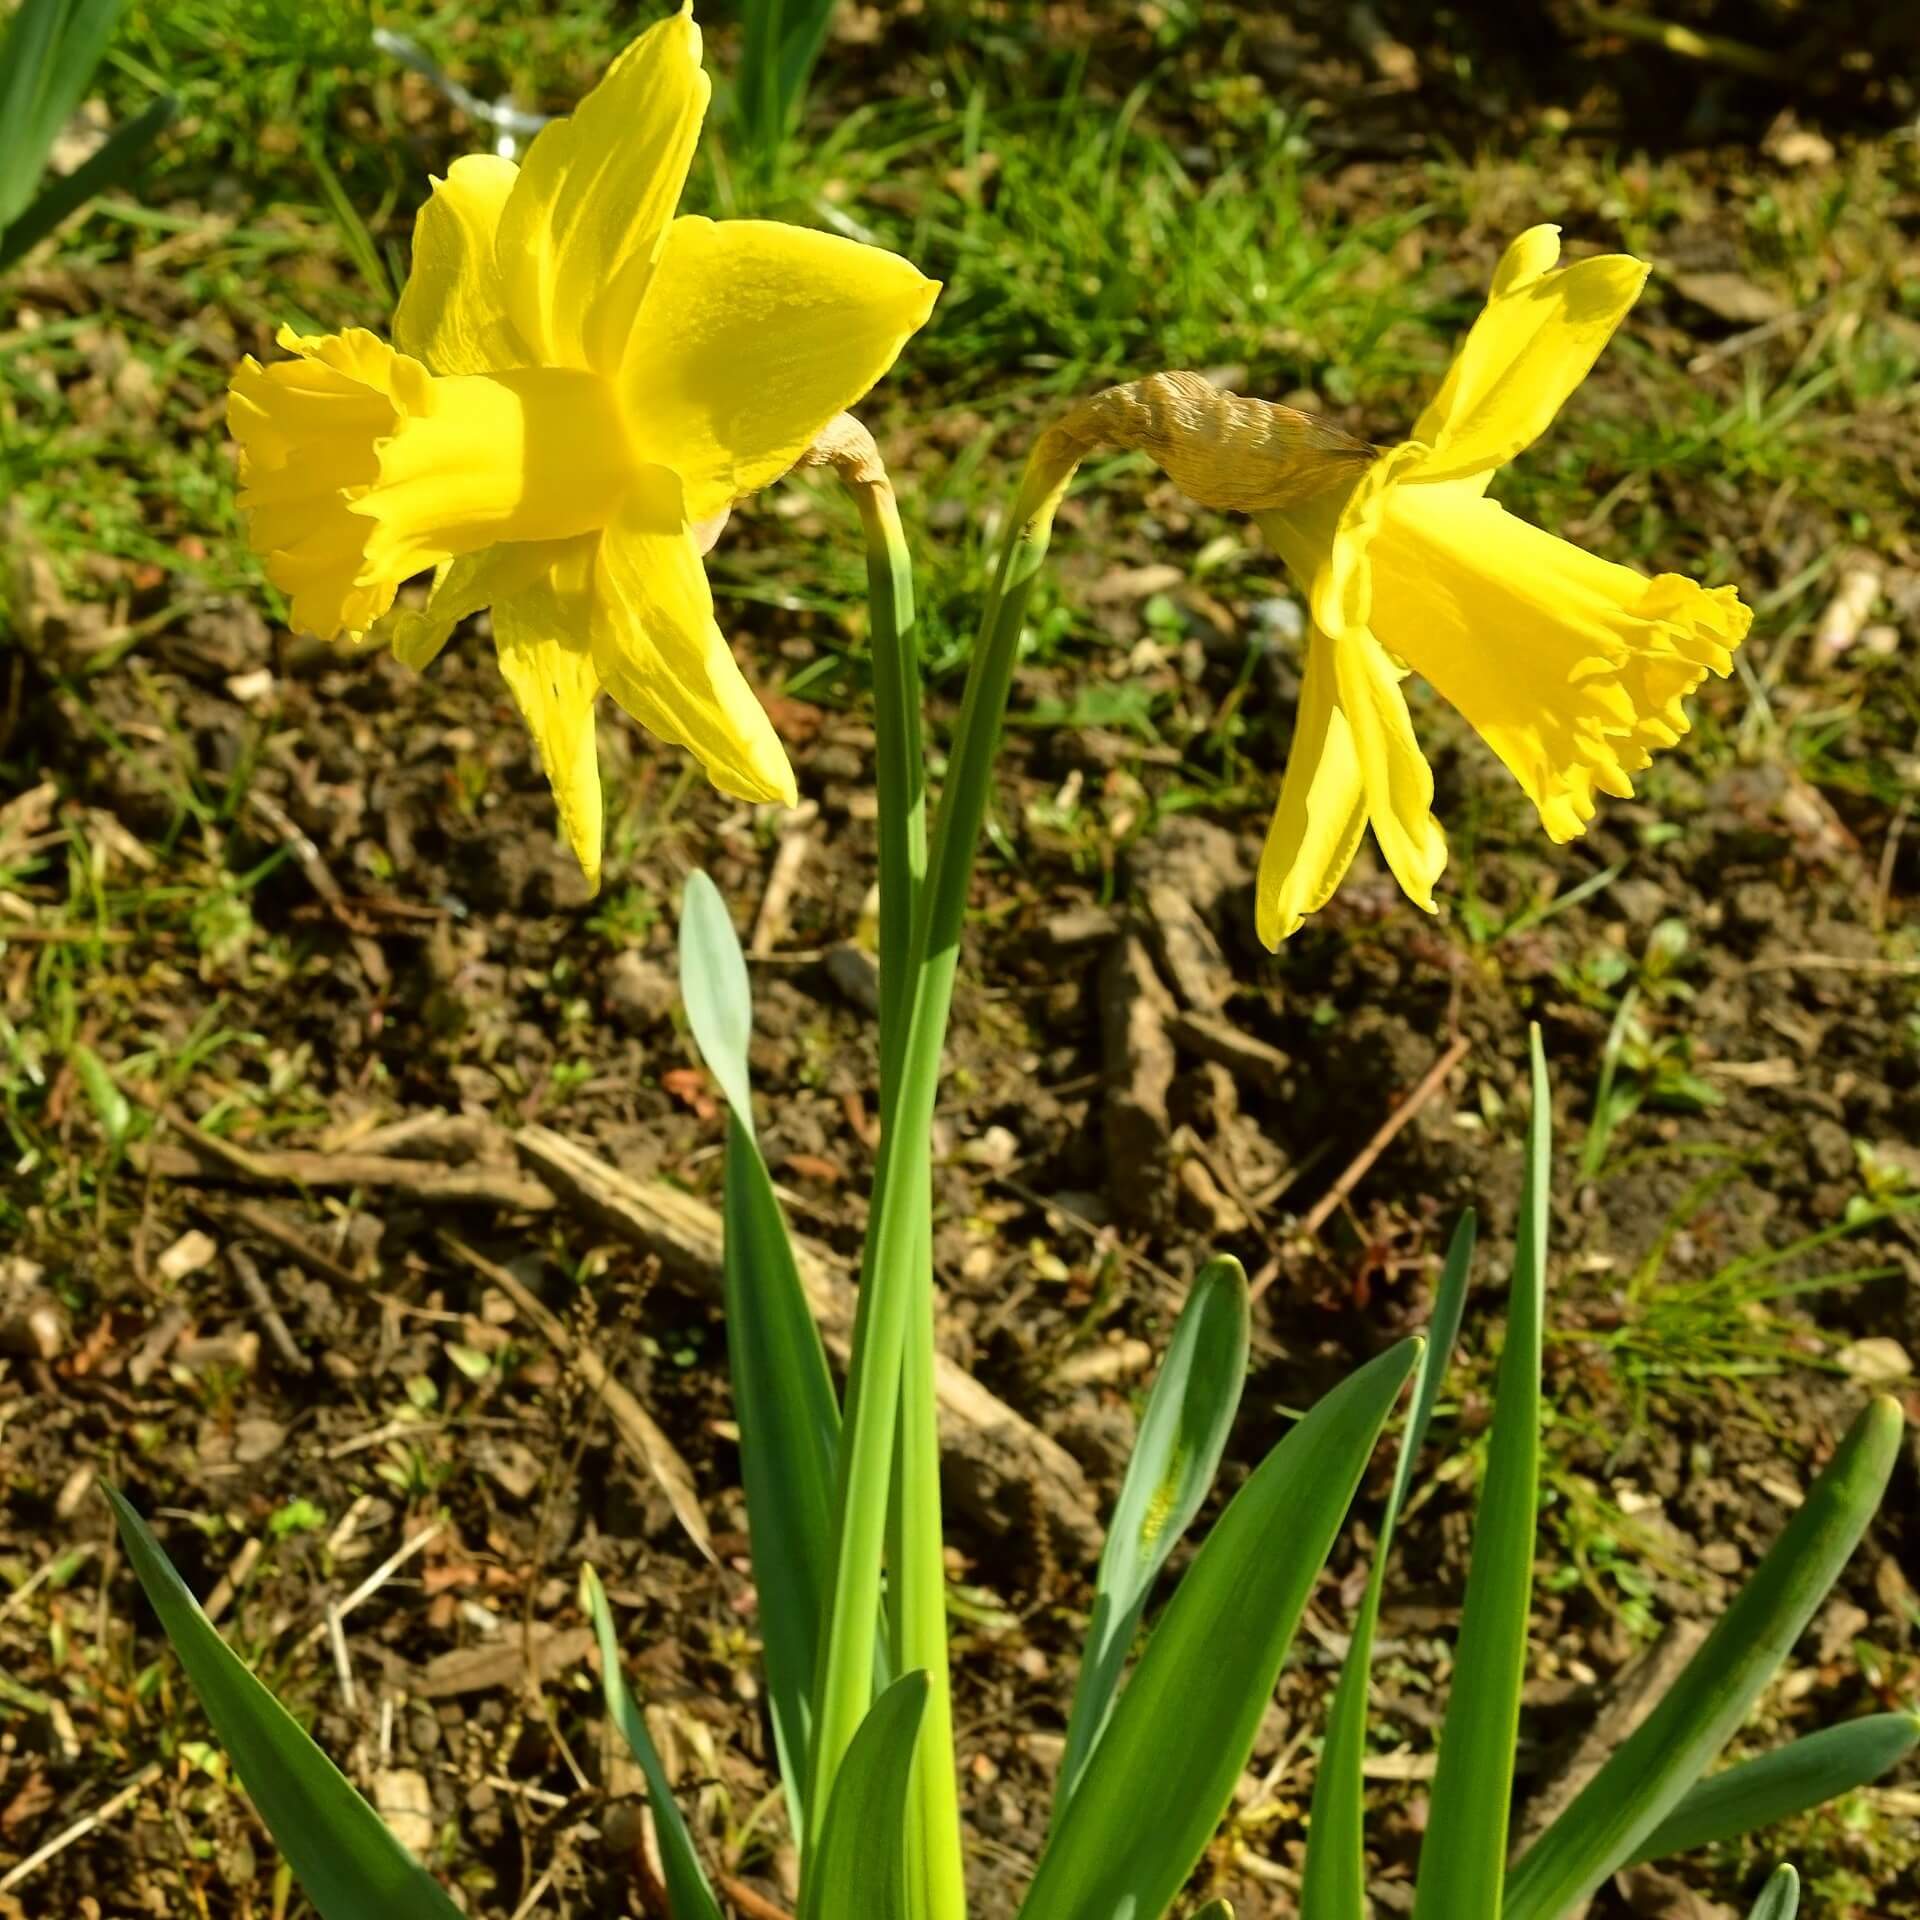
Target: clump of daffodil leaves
582	385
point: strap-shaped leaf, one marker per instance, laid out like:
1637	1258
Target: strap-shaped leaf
1173	1752
1182	1436
1625	1802
789	1438
48	53
719	997
1464	1855
860	1865
1780	1898
688	1894
1335	1882
782	1391
341	1852
1794	1779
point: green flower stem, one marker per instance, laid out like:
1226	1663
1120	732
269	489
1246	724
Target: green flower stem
917	1593
896	1299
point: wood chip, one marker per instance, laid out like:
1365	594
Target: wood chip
1242	1054
204	1159
535	1656
189	1254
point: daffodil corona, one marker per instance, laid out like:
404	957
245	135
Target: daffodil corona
1572	668
581	386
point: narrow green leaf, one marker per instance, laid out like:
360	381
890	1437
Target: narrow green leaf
688	1894
860	1865
48	53
1780	1898
1465	1851
1182	1436
1648	1776
782	1391
115	164
719	997
1776	1786
789	1437
1165	1771
1335	1883
340	1850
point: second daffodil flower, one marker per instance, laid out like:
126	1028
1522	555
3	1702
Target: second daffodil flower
581	385
1572	668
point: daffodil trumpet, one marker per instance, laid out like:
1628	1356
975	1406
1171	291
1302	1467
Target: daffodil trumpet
580	387
1574	669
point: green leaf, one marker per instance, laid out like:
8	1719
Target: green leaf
1795	1778
782	1391
789	1441
340	1850
860	1865
688	1894
1464	1855
112	166
1626	1801
48	54
719	997
1165	1771
1182	1436
1780	1898
1335	1882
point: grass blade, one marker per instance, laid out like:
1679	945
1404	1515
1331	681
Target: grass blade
860	1865
1335	1883
782	1391
1780	1898
350	1865
1464	1856
1166	1768
1805	1774
1182	1436
1648	1777
688	1894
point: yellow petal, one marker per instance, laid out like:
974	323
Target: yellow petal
752	337
1393	770
309	431
544	636
660	655
1535	341
1322	809
1572	668
585	221
532	454
1529	258
453	312
460	589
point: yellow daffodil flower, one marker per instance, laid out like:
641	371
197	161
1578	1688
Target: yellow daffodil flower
581	386
1572	668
